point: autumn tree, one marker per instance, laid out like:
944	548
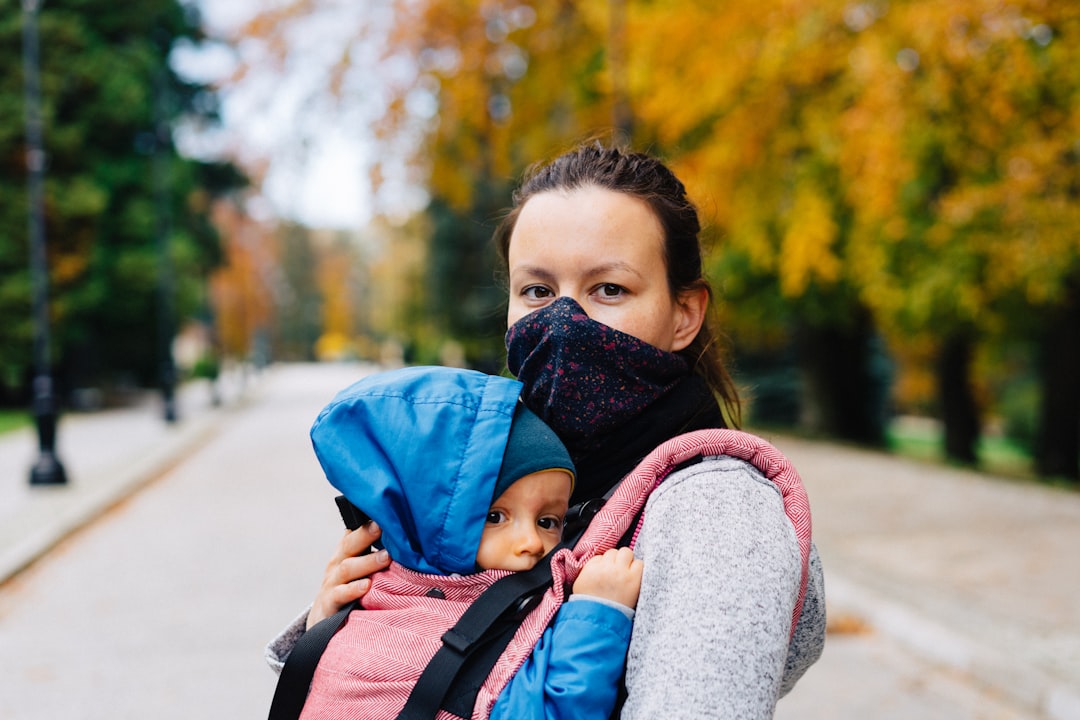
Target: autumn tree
973	236
243	289
757	142
343	281
285	291
910	160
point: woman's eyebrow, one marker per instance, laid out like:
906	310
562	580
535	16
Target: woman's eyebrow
534	272
615	266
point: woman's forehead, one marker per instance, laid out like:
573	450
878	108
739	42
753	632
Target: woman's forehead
605	225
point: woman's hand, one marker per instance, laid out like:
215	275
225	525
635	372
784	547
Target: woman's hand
615	575
346	577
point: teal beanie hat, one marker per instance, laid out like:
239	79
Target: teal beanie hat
531	447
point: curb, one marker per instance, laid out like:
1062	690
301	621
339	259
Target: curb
55	513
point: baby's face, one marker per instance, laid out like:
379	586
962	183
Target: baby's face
525	522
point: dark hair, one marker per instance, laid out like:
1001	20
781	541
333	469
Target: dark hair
647	178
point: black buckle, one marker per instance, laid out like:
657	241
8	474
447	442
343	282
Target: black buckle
579	516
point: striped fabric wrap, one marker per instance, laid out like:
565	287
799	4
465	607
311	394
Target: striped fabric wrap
372	663
613	521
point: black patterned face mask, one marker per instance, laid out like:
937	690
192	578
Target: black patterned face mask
582	377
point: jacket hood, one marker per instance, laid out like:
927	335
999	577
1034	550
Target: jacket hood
419	451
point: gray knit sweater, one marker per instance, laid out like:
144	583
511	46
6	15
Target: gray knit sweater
712	635
722	567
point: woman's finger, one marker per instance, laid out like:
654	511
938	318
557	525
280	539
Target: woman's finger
352	569
346	574
357	542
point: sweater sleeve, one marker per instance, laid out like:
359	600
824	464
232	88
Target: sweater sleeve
809	640
712	633
277	650
573	672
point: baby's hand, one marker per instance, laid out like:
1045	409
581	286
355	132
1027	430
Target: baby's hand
615	575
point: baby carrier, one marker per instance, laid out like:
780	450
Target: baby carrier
496	633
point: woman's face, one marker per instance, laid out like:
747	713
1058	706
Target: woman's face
604	249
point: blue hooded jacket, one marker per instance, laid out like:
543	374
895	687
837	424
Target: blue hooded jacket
445	426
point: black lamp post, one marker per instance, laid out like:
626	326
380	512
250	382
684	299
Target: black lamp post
48	469
166	280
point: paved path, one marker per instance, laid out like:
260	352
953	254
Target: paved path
107	455
949	593
978	574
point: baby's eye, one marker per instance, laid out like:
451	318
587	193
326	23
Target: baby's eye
495	517
537	292
549	523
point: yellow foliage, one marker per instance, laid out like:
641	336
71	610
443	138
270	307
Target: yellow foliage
335	268
922	152
807	252
333	346
69	267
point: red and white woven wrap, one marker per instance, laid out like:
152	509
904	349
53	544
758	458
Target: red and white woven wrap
372	663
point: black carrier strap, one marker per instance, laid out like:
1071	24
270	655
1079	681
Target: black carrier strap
295	679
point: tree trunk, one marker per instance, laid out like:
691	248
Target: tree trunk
1057	449
959	411
844	389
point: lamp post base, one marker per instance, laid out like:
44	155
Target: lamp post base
48	470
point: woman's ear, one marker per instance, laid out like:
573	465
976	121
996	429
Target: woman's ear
690	308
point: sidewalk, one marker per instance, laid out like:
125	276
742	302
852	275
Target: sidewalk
108	455
980	575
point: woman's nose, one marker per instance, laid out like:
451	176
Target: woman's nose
571	296
579	301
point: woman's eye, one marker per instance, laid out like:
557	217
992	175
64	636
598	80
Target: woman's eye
611	290
537	292
495	517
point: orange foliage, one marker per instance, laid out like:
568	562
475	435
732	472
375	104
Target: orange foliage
335	269
239	290
921	153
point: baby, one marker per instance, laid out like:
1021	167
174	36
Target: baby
466	485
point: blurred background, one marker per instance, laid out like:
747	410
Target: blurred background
889	189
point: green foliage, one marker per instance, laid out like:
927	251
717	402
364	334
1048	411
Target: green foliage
462	298
300	312
1019	408
14	420
105	86
998	455
207	367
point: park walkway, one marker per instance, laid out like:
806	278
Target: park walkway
979	575
107	455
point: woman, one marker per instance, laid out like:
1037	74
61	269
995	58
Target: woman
608	333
